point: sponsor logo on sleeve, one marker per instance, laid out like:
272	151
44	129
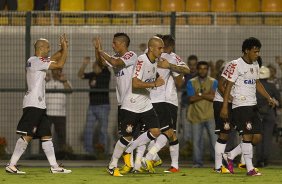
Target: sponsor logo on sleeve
138	68
229	71
127	56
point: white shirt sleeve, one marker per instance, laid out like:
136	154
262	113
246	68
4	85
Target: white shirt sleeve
231	71
129	58
40	64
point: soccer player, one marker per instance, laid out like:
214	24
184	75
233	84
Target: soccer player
34	122
243	73
137	104
123	64
165	102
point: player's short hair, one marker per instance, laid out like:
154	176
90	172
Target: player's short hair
250	43
124	36
259	60
192	57
202	63
168	40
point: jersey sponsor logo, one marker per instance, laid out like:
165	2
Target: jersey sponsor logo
178	59
229	70
44	59
119	73
127	56
250	81
138	67
226	126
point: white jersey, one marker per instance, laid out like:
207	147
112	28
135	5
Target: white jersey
244	76
56	102
171	91
124	75
36	68
138	100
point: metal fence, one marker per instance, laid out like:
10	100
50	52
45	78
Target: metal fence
210	36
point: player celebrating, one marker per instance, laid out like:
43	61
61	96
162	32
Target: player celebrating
165	102
34	122
123	63
243	73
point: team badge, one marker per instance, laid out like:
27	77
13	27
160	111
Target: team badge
132	100
252	70
129	128
249	125
226	126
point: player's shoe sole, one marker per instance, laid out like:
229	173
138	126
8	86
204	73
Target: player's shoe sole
172	170
60	170
253	173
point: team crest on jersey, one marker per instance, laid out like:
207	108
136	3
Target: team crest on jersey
252	70
226	126
249	125
129	128
132	100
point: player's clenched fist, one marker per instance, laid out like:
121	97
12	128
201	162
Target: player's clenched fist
159	82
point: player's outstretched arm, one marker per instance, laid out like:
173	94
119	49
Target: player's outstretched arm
59	63
182	69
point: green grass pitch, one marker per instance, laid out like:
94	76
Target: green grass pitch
83	175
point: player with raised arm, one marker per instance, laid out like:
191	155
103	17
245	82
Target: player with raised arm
123	64
243	74
34	122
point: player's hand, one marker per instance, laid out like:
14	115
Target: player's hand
159	81
224	113
272	102
97	43
163	63
63	41
86	60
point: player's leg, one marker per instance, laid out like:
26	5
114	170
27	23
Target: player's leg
30	118
44	132
126	129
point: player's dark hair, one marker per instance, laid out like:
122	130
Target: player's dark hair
168	40
192	57
125	38
250	43
202	63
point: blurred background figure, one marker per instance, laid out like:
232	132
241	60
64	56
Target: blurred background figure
201	90
216	69
98	109
268	115
185	126
56	109
11	4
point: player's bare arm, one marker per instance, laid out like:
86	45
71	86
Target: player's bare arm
224	109
64	52
182	69
264	93
86	61
118	63
179	81
138	84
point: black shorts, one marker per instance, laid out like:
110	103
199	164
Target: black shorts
131	121
247	120
222	126
173	112
164	115
34	122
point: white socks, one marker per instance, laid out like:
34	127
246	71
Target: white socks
159	144
48	149
20	147
174	153
118	151
139	154
247	151
219	149
143	139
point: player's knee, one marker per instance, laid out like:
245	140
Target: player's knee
26	138
46	138
169	133
155	132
